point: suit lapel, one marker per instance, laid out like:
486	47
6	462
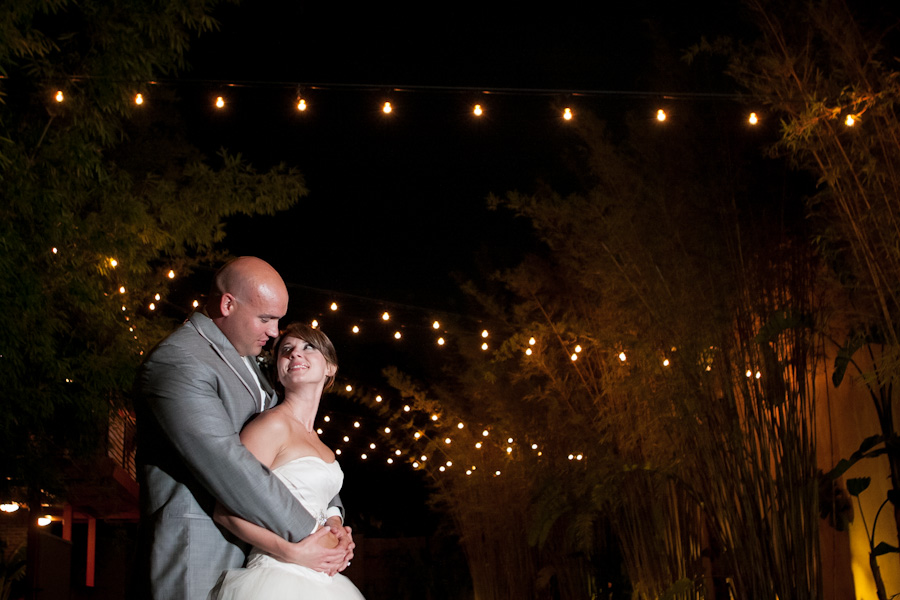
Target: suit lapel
222	347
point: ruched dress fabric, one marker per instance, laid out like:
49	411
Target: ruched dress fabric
313	482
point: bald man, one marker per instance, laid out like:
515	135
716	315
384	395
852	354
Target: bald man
193	394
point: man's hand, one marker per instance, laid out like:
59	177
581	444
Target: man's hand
344	539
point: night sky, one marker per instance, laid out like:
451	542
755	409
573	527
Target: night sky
396	208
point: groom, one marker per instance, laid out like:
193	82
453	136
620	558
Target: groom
194	393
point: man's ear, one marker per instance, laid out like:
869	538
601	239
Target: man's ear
227	304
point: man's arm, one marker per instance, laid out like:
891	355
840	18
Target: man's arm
181	393
320	551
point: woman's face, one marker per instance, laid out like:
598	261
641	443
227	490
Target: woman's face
299	362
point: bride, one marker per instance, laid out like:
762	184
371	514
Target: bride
284	439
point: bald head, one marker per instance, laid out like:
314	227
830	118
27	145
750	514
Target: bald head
247	299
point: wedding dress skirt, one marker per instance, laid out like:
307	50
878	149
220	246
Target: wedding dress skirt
313	482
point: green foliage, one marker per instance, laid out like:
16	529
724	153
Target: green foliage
78	191
12	568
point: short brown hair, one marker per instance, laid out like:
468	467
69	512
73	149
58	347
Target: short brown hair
315	337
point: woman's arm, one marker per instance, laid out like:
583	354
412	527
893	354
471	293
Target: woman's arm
266	437
318	551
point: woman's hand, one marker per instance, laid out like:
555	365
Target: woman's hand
321	551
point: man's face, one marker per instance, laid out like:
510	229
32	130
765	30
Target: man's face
248	323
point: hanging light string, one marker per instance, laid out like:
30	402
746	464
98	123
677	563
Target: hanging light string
850	115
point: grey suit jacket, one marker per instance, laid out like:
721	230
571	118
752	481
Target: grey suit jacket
193	395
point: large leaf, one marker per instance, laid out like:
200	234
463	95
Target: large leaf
778	323
864	451
858	485
844	356
884	548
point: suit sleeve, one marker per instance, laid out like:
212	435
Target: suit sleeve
181	393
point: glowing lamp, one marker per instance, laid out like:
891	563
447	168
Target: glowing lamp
59	96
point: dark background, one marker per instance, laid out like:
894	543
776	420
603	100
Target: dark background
396	217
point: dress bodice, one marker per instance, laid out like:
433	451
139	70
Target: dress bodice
313	482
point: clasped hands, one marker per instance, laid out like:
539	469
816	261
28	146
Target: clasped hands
329	549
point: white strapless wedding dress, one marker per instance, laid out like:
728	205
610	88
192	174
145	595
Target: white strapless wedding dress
313	482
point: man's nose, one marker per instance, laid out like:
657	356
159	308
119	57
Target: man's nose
272	331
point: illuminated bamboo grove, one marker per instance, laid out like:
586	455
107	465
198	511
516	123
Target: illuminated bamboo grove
653	387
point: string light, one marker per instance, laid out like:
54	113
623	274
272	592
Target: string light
397	335
45	520
122	289
138	99
665	362
532	342
385	316
567	114
301	104
849	121
660	115
113	263
622	357
477	110
753	119
574	357
59	96
333	306
440	341
484	346
484	333
195	304
436	325
220	102
355	329
349	388
387	108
